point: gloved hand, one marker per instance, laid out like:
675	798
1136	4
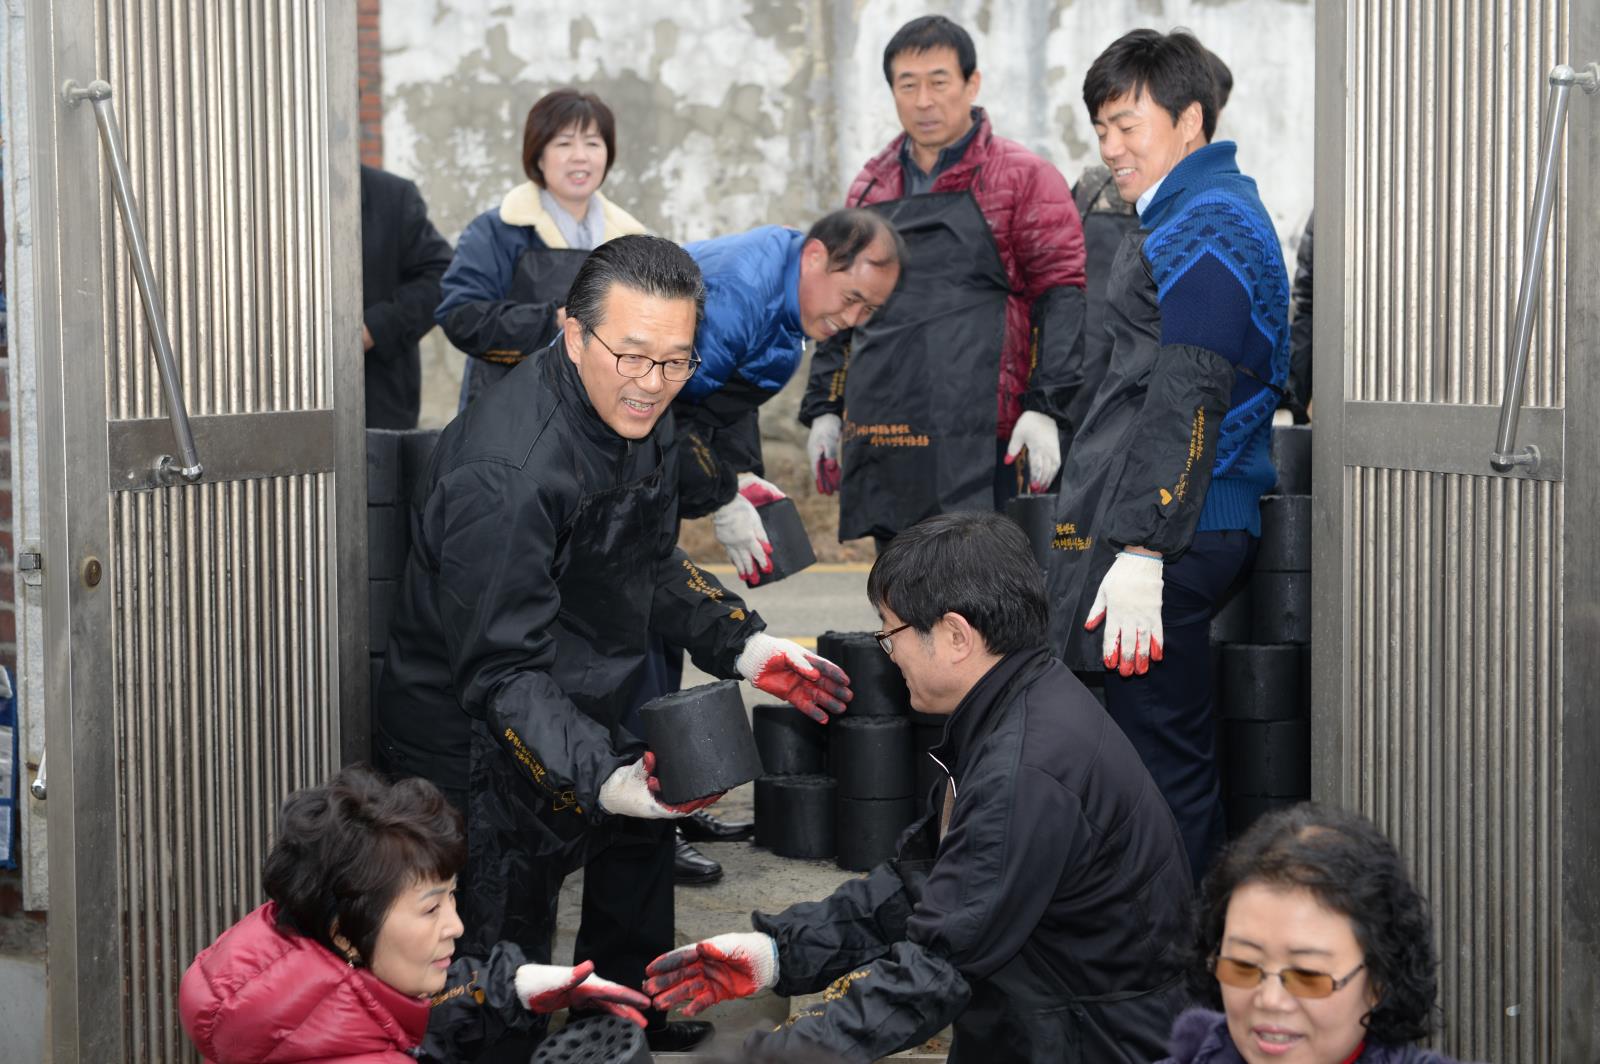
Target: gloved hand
738	528
633	790
713	970
1041	436
759	492
813	685
1129	602
550	987
822	450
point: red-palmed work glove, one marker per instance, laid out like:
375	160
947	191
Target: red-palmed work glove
757	491
813	685
822	450
716	969
738	528
633	790
551	987
1129	603
1040	435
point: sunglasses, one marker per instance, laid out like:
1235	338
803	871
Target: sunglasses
1301	982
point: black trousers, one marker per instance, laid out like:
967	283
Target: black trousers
628	905
1168	713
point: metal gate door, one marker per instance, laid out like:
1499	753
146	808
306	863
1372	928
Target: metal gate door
1459	711
196	254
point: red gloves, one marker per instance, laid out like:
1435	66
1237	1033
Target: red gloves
813	685
717	969
822	450
549	987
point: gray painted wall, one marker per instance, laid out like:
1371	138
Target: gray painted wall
736	113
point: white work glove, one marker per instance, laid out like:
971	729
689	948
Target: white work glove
1129	602
633	790
546	988
699	975
813	685
1042	437
738	528
759	492
822	450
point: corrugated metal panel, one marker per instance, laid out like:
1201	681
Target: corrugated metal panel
1444	125
221	106
225	685
1454	730
224	676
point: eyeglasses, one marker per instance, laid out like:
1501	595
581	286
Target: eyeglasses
631	365
1301	982
885	639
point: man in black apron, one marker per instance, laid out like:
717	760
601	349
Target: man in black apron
1041	904
972	364
1159	507
543	558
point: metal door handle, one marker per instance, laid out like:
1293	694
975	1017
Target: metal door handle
187	464
36	788
1562	78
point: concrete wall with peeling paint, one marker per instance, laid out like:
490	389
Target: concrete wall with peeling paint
734	113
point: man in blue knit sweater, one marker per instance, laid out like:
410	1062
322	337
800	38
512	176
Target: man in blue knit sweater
1160	497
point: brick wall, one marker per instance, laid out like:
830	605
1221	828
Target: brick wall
369	68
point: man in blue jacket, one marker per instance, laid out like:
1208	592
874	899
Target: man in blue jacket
766	292
1159	507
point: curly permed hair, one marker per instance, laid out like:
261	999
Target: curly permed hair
344	851
1350	867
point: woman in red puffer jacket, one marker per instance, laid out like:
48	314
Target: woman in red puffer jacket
353	958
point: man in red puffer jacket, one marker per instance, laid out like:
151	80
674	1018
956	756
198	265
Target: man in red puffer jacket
991	298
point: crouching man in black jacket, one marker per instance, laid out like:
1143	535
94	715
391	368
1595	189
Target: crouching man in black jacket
1040	904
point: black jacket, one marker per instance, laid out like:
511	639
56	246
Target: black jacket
1047	921
542	559
1107	221
402	258
1300	328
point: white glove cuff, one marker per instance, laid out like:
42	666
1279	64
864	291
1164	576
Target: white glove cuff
758	650
761	949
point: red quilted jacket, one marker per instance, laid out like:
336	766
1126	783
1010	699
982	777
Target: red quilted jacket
259	994
1029	209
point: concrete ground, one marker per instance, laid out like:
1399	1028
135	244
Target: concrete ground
821	598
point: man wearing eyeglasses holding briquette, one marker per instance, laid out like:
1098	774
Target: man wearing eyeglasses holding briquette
543	558
1039	906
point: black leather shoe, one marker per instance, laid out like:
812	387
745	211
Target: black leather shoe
703	827
679	1036
689	865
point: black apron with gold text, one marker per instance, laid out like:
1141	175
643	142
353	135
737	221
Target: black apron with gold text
923	374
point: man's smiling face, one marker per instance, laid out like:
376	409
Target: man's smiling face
634	323
1140	142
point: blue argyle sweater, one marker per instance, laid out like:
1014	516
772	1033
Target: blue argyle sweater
1221	285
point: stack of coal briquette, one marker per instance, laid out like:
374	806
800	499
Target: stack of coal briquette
1261	651
846	789
395	462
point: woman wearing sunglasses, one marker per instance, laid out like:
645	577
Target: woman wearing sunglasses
1316	945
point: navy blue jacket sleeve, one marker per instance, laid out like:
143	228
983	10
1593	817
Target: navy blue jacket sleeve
474	312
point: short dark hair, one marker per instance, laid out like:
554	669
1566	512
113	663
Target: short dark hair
346	850
1223	77
926	33
557	112
848	233
1175	68
976	564
1349	866
648	264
